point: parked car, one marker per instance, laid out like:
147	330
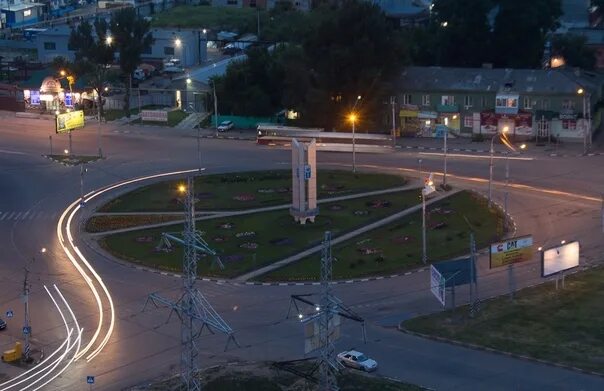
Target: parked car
173	69
2	324
357	360
225	125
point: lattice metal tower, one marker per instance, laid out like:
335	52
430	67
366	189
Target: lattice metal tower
328	366
193	309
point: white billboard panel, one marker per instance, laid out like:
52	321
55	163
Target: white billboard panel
560	258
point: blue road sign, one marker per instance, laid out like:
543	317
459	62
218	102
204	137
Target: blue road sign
9	314
26	330
456	272
307	172
90	379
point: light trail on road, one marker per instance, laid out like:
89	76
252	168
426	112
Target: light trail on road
79	261
46	367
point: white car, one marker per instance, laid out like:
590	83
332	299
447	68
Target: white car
226	125
357	360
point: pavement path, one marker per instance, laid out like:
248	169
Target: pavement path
340	239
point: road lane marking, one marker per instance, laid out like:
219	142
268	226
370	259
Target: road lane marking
12	152
476	156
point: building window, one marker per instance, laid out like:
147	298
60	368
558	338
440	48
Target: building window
545	104
468	121
168	50
231	2
425	100
447	100
568	104
50	46
506	102
27	13
406	99
147	50
484	101
467	101
569	124
527	103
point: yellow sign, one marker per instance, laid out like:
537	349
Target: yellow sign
68	121
511	251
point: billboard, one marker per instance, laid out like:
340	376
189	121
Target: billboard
154	115
560	258
437	284
511	251
68	121
311	331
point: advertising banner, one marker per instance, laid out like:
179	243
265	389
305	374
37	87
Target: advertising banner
488	122
34	98
524	124
560	258
437	284
515	250
68	121
154	115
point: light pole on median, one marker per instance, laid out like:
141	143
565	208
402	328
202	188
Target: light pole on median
492	152
353	118
586	121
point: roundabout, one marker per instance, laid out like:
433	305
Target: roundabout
142	345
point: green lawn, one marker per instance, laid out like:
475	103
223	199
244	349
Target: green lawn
112	222
258	239
397	247
563	325
236	191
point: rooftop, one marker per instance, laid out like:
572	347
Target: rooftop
547	81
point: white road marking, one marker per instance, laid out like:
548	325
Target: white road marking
12	152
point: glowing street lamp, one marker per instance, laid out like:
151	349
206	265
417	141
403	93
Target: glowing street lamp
352	117
108	40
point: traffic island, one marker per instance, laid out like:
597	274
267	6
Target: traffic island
72	160
397	246
246	242
560	326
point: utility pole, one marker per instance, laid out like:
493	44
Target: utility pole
193	309
424	253
215	107
82	172
507	182
445	159
393	103
26	326
328	366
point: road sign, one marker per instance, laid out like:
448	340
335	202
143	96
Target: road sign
456	272
560	258
437	284
9	314
307	172
514	250
26	330
90	379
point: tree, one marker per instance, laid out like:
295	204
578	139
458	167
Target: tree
352	51
573	49
520	31
462	32
132	38
92	54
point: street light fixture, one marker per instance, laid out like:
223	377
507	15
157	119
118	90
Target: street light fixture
109	40
177	42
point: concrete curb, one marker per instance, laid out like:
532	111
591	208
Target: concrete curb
503	153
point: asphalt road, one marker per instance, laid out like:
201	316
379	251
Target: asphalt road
34	193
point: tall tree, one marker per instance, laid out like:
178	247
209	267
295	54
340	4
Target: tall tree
463	32
351	52
132	38
92	54
573	49
520	31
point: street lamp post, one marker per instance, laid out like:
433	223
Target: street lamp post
424	252
586	118
353	119
491	168
419	162
198	137
445	158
